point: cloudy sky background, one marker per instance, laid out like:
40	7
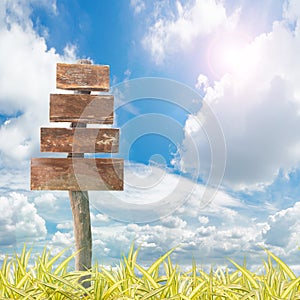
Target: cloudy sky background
241	57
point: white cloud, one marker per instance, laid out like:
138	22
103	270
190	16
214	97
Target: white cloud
258	107
64	240
27	79
18	11
46	199
13	180
221	206
150	192
20	221
202	83
65	226
224	222
138	6
292	10
223	227
173	222
203	220
53	207
177	30
284	228
99	218
207	244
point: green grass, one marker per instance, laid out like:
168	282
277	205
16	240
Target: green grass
49	278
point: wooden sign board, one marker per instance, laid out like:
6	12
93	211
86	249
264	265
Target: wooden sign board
77	174
80	140
82	77
90	109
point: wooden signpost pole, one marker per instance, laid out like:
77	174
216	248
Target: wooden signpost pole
80	206
76	173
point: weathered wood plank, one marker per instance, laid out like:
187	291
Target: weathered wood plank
83	77
77	174
90	109
80	140
80	206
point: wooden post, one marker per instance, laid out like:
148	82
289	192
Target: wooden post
80	206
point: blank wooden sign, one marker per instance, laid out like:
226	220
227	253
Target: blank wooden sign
90	109
82	77
77	174
80	140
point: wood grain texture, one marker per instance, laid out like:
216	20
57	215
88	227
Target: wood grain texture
83	77
77	174
79	202
90	109
80	140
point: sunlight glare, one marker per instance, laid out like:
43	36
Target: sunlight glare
227	54
232	55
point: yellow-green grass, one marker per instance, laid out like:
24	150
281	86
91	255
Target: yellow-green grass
47	278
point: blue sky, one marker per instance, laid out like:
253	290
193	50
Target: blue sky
207	98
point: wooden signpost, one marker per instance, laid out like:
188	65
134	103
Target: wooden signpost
76	173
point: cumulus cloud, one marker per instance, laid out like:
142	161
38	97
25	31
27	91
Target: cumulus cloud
173	222
64	240
65	226
284	228
257	105
27	78
208	233
177	29
206	243
223	227
20	221
203	220
53	207
223	224
99	218
47	199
